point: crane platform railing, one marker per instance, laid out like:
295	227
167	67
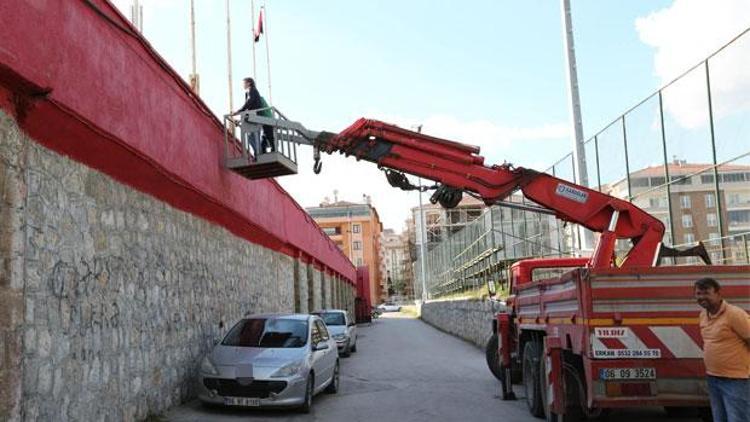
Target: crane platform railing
254	155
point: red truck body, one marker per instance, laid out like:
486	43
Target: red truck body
362	302
624	336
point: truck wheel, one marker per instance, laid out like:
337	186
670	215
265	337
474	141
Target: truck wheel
493	361
531	381
705	414
681	412
573	411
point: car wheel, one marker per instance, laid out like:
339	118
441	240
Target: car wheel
531	385
347	351
209	405
354	347
307	405
333	387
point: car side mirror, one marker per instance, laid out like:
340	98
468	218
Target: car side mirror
320	346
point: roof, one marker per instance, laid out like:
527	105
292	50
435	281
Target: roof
339	211
687	168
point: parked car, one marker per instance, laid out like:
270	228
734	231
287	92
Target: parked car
273	360
342	328
389	307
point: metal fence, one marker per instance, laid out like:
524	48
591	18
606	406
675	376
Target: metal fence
682	154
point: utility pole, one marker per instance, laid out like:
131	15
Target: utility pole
229	58
268	52
579	153
252	13
194	78
423	237
136	15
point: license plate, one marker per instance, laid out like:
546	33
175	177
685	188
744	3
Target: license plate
627	373
242	401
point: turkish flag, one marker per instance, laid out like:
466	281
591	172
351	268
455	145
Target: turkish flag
259	28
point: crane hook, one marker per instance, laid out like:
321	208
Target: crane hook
318	165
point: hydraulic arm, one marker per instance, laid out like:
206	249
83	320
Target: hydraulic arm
458	168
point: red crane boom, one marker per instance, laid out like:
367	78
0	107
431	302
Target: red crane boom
458	167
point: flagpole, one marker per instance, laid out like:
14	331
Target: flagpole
268	54
194	82
252	14
229	59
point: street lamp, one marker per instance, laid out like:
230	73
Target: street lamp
422	235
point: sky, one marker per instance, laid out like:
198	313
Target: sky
484	72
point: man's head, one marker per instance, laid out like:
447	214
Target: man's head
249	83
707	293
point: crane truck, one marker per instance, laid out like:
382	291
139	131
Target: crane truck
615	330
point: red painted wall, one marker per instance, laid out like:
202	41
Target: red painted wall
81	81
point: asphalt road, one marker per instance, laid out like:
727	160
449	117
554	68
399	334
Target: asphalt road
406	371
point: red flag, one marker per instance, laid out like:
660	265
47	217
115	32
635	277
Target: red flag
259	28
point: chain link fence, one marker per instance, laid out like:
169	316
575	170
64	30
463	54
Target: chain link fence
682	154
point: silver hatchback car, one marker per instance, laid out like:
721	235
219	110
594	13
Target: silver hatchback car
273	360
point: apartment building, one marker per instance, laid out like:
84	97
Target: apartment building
356	229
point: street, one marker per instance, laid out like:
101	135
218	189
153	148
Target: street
405	370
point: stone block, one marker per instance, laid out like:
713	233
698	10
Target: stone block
44	342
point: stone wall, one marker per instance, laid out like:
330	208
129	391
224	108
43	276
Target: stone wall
470	320
12	246
109	298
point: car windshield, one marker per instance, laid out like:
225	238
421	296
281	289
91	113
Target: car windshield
267	332
332	318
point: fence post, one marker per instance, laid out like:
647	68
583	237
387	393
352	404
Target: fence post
666	171
717	193
598	173
627	160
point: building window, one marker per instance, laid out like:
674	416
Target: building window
710	200
639	182
711	220
707	178
716	257
356	228
685	202
681	180
738	217
687	221
658	202
688	238
658	181
733	177
332	231
357	245
359	262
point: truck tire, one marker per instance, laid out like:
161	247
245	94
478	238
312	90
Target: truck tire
532	353
681	412
493	361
